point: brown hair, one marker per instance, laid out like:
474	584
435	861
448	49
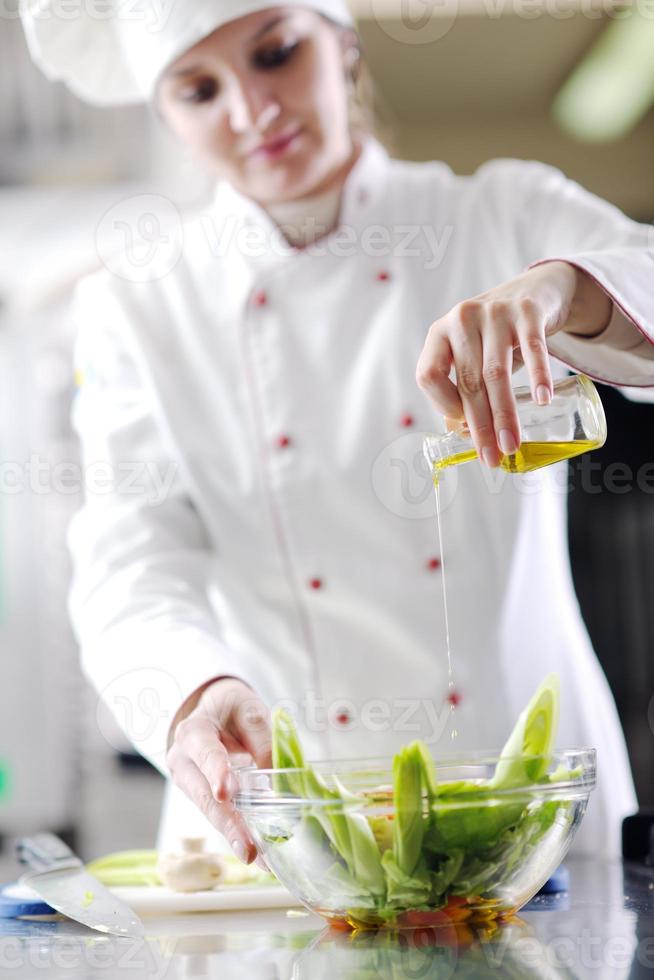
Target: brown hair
366	113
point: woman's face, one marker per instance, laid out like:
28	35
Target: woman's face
264	101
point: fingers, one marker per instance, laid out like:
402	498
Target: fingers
243	718
222	816
230	722
533	348
485	339
252	728
199	739
497	359
467	350
199	764
432	373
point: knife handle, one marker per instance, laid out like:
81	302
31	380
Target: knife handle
45	852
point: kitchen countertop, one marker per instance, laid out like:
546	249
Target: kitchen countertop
604	927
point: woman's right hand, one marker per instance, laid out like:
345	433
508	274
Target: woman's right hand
229	724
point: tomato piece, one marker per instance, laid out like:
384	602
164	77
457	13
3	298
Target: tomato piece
455	900
425	917
340	925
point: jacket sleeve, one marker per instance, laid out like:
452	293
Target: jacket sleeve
139	600
560	220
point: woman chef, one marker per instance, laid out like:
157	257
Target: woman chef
268	547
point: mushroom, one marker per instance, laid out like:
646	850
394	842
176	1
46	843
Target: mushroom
191	870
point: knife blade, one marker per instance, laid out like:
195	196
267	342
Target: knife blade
59	877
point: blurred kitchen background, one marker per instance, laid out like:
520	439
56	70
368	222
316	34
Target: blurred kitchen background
567	82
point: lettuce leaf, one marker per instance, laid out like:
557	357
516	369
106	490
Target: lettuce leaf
476	828
471	827
404	889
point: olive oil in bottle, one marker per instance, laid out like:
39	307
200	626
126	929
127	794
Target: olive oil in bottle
529	456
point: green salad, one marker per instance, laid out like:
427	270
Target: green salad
424	844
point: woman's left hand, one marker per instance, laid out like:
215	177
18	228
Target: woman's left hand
487	337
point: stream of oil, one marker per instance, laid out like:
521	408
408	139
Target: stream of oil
530	456
441	552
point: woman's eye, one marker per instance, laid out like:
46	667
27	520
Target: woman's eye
274	57
202	92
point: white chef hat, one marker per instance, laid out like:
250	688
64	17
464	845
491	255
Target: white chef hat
111	52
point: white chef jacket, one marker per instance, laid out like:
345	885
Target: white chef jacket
263	510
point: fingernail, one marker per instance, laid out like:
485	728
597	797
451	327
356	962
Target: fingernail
228	787
543	396
221	790
508	445
239	850
488	456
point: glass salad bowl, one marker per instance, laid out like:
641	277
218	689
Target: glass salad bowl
416	841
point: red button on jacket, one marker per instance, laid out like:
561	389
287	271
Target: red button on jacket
260	298
433	564
283	441
315	583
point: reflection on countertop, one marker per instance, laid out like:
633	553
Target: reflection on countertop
603	928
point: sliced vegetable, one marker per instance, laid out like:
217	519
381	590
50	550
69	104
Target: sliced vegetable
349	833
126	868
534	735
409	824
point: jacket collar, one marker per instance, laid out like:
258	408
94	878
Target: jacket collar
247	230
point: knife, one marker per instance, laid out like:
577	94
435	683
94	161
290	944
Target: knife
59	877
